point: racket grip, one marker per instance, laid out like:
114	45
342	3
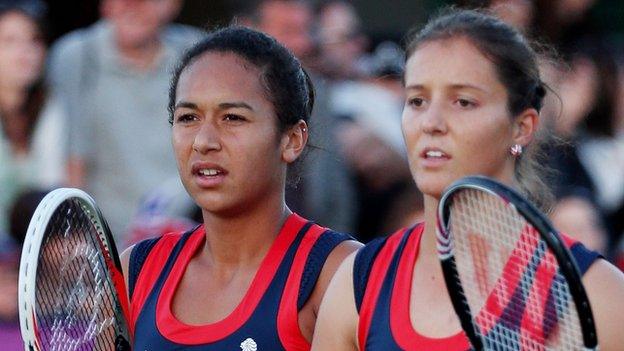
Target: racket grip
121	344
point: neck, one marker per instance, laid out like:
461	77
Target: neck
11	98
428	247
142	56
245	238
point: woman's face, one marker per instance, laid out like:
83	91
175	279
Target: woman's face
225	135
455	120
23	50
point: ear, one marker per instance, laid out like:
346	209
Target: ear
525	126
294	141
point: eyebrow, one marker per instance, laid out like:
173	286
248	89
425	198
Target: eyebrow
222	106
235	104
453	86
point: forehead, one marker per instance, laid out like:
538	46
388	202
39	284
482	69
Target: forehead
454	60
12	19
219	73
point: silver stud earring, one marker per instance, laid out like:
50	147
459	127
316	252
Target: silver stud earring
516	150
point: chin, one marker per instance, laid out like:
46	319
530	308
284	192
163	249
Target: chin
432	187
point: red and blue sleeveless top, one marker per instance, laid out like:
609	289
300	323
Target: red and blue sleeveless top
267	316
382	280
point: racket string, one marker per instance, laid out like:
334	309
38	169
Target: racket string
75	304
511	282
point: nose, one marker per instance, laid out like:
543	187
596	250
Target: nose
433	120
207	138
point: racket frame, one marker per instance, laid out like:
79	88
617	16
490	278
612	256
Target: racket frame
547	232
35	236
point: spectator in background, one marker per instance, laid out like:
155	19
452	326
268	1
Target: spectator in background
326	192
371	139
288	21
517	13
601	142
341	43
112	79
20	213
366	100
564	22
590	176
32	131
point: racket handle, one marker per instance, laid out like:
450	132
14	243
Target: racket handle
121	344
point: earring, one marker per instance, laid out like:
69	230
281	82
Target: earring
304	129
516	150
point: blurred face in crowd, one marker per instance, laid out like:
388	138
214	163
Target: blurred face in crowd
22	50
456	120
226	139
517	13
139	21
289	22
340	38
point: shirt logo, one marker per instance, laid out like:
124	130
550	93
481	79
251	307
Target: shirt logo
249	345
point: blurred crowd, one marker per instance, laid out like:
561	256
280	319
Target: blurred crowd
89	110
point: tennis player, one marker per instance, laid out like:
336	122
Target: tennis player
473	95
253	275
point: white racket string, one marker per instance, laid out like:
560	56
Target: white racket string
511	281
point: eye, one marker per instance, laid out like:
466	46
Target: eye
185	118
415	102
234	118
465	103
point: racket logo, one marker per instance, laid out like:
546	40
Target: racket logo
249	345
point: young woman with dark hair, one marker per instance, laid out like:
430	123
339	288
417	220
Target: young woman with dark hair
253	275
31	123
473	95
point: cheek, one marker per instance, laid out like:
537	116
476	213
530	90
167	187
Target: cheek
181	143
262	157
487	148
409	128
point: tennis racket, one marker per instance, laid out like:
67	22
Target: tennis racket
72	295
512	281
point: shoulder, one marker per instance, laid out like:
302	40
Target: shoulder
326	255
163	243
583	256
367	256
67	53
73	42
604	284
338	318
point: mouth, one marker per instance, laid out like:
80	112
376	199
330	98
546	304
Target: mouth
209	172
434	154
208	175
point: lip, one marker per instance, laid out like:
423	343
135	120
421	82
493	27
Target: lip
204	181
433	162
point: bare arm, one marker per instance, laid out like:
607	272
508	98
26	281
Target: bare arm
336	325
605	288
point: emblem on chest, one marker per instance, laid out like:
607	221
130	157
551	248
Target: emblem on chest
249	345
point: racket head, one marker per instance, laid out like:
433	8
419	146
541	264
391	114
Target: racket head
472	215
67	229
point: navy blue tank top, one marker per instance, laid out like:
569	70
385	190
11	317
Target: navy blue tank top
382	276
267	316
